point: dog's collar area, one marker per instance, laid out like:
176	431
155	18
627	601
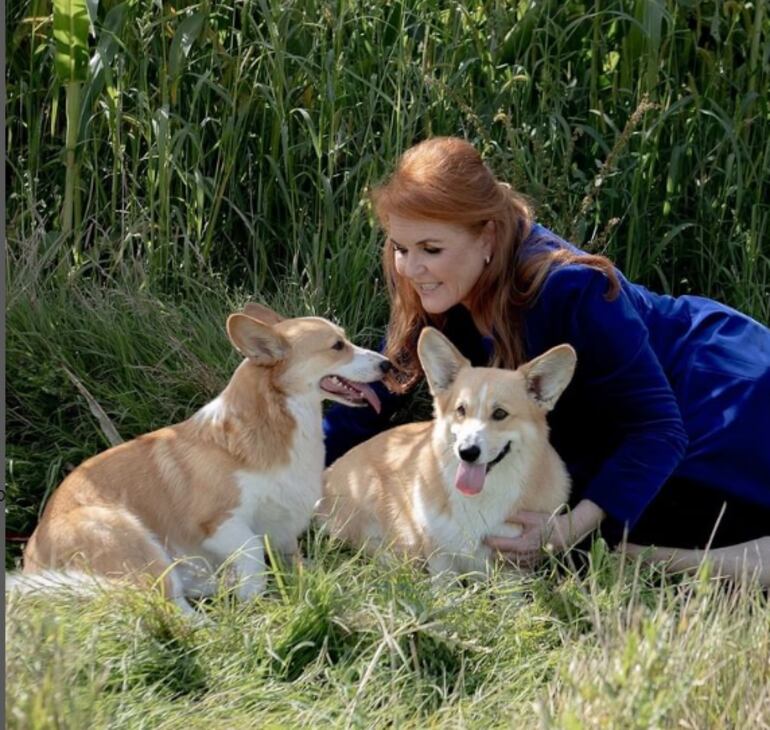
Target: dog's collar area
499	457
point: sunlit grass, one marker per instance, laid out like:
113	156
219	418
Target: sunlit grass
355	643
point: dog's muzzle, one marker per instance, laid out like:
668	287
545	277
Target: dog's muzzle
499	457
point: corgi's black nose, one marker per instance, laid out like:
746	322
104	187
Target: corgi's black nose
386	366
470	453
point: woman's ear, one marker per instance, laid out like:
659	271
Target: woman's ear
489	238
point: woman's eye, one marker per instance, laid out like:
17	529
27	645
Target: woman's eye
338	345
499	414
432	251
460	411
399	249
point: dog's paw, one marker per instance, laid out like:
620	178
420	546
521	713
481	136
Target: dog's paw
250	587
444	580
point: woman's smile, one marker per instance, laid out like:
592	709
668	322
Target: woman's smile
441	261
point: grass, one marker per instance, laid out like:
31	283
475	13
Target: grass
222	153
239	137
350	642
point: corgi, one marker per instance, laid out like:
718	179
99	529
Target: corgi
171	507
434	490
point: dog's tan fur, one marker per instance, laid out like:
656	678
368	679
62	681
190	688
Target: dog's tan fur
248	464
398	489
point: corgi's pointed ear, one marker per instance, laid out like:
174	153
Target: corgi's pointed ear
548	375
440	359
256	340
262	313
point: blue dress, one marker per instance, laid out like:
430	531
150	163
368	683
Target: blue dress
671	397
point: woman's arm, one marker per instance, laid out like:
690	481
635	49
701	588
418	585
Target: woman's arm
619	380
619	374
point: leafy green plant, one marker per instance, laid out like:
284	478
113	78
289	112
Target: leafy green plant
70	32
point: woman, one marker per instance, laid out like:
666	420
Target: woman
665	427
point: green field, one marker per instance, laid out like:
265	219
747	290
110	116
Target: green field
181	159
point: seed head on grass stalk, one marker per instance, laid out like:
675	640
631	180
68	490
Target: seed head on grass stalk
608	166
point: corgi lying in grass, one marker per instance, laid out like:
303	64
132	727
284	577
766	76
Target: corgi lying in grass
434	490
170	507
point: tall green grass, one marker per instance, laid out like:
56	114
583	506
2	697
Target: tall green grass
239	137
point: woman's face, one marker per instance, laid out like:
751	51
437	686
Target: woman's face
441	261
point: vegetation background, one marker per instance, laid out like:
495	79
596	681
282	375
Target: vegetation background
169	160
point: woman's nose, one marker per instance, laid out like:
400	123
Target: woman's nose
414	265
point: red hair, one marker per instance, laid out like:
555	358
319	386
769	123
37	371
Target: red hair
445	179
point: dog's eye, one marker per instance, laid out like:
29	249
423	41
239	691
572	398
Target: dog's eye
338	345
499	414
460	411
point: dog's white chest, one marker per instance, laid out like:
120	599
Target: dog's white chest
460	532
470	521
280	502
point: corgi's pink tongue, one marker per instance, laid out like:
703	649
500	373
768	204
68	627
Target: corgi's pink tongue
470	477
367	392
351	391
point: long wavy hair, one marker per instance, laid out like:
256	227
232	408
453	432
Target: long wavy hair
445	179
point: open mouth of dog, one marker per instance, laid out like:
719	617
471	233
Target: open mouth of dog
470	477
353	393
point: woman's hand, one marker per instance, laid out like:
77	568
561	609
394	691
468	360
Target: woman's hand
558	532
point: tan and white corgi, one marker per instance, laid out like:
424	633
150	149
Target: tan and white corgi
172	506
436	489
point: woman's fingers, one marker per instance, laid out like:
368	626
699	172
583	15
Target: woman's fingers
506	544
523	552
528	541
528	518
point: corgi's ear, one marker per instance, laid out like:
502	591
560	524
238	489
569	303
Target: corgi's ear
262	313
440	359
548	375
256	340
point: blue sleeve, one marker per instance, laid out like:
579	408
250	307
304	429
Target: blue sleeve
346	426
619	369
